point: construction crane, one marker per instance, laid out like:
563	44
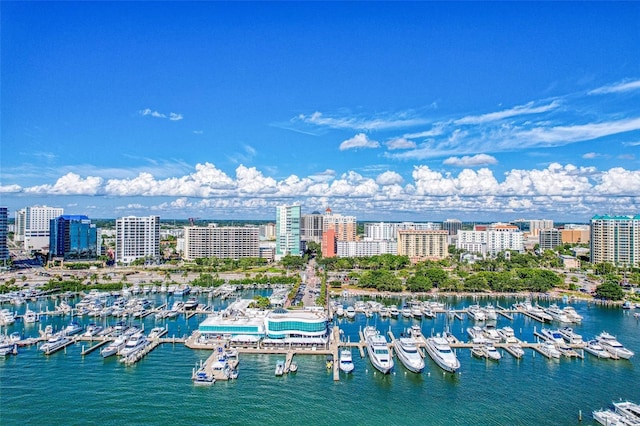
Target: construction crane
192	221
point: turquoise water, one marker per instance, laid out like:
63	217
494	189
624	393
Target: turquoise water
66	388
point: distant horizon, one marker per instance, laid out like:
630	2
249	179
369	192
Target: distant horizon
393	111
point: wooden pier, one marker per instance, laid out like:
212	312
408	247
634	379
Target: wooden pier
504	312
94	347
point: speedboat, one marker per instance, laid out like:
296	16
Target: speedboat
156	332
377	349
492	352
30	317
549	350
293	367
570	336
440	352
595	348
628	409
202	378
113	347
614	347
407	351
183	290
393	311
406	312
415	331
54	343
346	361
279	368
350	312
71	329
191	303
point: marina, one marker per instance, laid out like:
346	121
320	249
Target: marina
342	335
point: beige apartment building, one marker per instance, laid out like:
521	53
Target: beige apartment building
421	245
226	242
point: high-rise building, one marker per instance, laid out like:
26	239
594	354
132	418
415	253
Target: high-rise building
366	248
73	237
4	229
344	226
287	230
616	240
388	231
491	239
421	245
311	227
225	242
533	227
267	231
576	234
33	226
452	226
137	237
549	239
329	248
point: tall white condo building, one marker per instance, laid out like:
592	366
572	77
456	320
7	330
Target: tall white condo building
137	237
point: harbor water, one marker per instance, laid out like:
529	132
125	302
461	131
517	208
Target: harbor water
67	388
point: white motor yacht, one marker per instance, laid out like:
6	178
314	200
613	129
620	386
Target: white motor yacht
279	371
30	317
557	313
614	347
507	335
549	350
570	336
595	348
440	352
113	347
134	344
572	314
393	311
7	317
350	312
552	336
628	409
407	351
377	349
54	343
406	312
490	313
476	313
71	329
609	418
346	361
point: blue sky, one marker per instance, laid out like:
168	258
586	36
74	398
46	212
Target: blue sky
387	111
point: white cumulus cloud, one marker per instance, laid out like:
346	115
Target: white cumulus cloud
400	143
359	141
471	161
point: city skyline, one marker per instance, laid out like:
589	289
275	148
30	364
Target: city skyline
385	111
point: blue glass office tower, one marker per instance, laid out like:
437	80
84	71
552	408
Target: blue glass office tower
73	237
